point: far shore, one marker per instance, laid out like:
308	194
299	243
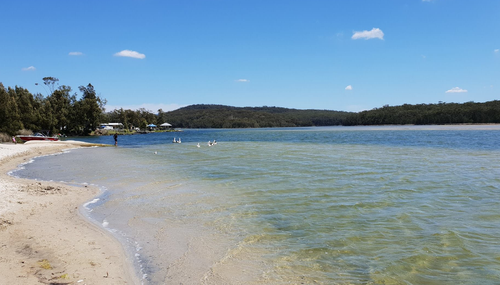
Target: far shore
43	238
464	127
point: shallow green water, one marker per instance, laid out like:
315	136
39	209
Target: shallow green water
325	205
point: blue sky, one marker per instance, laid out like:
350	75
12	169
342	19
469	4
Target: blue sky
308	54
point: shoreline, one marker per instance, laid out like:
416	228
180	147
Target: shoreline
43	236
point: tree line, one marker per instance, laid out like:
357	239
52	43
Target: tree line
429	114
58	112
220	116
70	114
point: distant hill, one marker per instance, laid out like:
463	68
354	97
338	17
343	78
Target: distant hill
429	114
221	116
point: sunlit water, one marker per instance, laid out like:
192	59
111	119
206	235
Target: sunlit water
291	206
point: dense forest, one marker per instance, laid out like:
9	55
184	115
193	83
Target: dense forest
70	114
219	116
428	114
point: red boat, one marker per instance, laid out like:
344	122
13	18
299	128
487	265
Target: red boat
37	137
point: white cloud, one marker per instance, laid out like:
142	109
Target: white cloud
349	87
456	90
76	53
356	108
242	80
375	33
130	53
148	106
497	50
30	68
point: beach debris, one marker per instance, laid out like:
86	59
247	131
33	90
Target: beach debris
107	275
44	263
4	223
40	189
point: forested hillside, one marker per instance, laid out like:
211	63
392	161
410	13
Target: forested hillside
219	116
428	114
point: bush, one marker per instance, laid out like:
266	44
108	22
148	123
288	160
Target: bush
24	132
4	137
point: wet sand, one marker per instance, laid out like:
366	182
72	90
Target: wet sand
43	237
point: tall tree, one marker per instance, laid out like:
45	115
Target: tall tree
50	82
9	113
91	108
62	104
26	107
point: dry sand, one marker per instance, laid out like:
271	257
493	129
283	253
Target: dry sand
43	238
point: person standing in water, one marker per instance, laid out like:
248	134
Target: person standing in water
115	136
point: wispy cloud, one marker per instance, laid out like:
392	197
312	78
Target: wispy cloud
30	68
242	80
375	33
130	53
456	90
75	53
497	50
356	108
148	106
349	87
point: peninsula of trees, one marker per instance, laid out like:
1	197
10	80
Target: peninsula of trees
71	114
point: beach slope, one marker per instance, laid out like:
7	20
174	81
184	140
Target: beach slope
43	238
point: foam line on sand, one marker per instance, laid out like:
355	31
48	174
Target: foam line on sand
43	238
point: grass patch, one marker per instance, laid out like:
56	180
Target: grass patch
44	263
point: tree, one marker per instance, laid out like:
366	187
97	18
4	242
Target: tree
90	108
27	109
160	120
62	104
9	113
50	82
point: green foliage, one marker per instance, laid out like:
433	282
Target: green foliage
50	82
62	112
90	108
59	112
9	111
219	116
429	114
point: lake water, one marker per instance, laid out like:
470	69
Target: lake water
333	205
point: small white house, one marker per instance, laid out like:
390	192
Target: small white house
165	126
111	126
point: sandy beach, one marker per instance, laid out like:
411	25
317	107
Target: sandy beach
43	238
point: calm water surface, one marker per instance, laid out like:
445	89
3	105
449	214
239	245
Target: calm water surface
290	206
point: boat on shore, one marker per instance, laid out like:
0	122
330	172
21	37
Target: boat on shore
37	137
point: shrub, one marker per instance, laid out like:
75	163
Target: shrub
24	132
4	137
